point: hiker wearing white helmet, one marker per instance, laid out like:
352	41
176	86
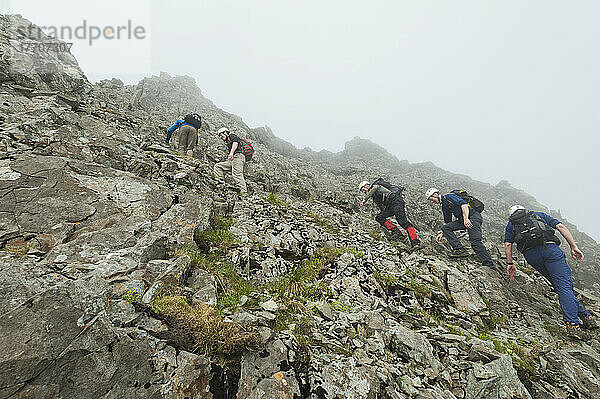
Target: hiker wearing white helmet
390	202
534	234
467	211
235	159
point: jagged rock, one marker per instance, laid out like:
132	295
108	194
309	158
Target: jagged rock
497	379
97	221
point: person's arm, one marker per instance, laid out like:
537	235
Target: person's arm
465	213
511	268
234	147
172	129
575	251
370	193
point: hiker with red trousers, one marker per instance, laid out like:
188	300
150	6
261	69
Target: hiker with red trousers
390	202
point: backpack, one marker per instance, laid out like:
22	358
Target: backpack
389	186
193	119
246	149
530	230
473	202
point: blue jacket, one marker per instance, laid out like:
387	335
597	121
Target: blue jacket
451	205
176	126
509	231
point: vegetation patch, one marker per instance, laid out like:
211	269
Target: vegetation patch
421	290
324	223
388	282
199	328
230	285
376	235
330	254
274	200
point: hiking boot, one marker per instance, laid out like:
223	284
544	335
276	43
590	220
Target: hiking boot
415	244
575	332
459	253
588	322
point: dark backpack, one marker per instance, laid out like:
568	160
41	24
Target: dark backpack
389	186
472	201
193	119
530	230
247	149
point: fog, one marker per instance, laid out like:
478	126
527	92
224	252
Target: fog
502	90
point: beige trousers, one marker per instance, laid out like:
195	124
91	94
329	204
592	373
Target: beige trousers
236	166
187	139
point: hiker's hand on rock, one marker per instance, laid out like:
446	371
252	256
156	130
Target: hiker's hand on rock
362	203
230	157
439	236
577	254
510	270
468	223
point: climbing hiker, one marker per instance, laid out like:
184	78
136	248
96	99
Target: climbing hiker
188	133
238	152
388	199
467	210
534	234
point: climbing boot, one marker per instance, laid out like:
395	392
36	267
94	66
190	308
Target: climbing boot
459	253
588	322
575	332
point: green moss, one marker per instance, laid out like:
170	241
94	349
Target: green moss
330	254
376	235
131	296
324	223
421	290
274	200
340	306
300	282
386	280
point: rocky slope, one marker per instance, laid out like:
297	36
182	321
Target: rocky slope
127	271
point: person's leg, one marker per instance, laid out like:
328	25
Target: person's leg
560	275
448	229
183	139
400	213
475	237
237	170
220	168
382	219
191	141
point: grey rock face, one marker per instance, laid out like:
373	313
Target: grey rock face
97	224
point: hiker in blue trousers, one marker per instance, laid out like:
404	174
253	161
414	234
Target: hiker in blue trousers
468	216
534	234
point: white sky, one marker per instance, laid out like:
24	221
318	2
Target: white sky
492	89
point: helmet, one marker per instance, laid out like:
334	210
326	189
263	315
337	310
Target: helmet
431	191
514	208
363	184
223	130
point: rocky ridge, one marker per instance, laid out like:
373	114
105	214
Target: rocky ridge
129	271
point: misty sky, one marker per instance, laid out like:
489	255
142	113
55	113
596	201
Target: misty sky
495	90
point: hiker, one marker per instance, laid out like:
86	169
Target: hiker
235	159
388	199
188	133
536	240
468	215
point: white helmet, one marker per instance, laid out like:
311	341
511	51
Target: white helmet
363	184
514	208
223	130
431	191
